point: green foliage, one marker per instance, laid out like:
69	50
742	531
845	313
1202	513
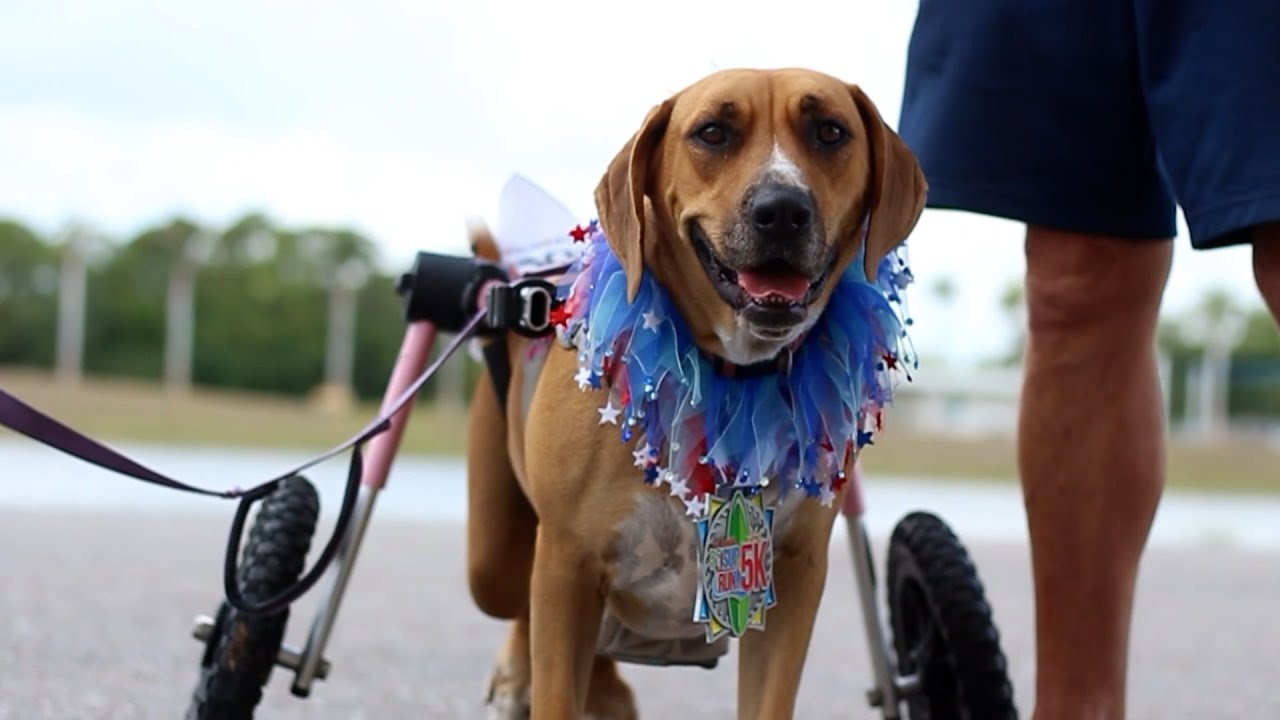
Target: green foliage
1254	385
257	330
125	308
28	296
261	304
1261	340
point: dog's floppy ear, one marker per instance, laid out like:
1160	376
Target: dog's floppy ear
620	195
897	191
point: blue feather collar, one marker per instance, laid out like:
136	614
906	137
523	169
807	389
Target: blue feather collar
701	432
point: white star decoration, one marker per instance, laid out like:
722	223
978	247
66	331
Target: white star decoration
679	488
651	320
609	413
828	495
643	456
583	378
695	507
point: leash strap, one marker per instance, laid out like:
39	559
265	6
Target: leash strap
26	420
22	418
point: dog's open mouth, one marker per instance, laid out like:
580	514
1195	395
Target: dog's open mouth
773	286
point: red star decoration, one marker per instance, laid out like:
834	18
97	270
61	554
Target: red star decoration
560	316
578	233
825	444
890	361
838	481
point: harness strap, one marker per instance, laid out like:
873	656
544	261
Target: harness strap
498	361
22	418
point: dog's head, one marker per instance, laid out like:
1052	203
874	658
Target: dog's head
745	195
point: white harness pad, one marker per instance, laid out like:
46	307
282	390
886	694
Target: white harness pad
533	229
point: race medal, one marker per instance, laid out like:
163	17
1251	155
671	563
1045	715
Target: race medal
735	565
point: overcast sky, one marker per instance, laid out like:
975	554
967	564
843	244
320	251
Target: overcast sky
402	119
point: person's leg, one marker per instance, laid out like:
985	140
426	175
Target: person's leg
1266	266
1033	111
1091	456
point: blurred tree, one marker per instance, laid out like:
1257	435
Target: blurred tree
259	319
125	323
1254	380
261	310
342	261
28	296
261	305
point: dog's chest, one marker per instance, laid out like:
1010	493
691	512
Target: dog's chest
655	569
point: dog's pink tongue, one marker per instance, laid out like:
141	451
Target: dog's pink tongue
760	285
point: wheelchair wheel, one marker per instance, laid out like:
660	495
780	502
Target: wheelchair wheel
942	626
241	651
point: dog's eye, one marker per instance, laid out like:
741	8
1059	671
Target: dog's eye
831	133
712	133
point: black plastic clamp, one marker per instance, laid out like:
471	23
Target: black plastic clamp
524	307
445	289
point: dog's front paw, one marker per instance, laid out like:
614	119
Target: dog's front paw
508	696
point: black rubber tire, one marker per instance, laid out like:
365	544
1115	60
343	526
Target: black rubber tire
241	653
942	626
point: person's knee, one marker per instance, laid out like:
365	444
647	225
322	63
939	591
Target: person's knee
1083	286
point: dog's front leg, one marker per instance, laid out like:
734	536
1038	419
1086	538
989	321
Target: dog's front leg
566	610
770	662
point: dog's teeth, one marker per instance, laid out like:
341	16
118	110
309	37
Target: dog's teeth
773	299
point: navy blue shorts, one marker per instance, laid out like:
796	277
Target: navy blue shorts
1097	116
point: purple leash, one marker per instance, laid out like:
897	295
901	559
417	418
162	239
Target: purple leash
26	420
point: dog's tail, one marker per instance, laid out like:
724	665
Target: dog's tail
483	245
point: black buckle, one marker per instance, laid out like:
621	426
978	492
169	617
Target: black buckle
524	307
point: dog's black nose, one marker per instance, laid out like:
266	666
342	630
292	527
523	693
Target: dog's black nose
781	212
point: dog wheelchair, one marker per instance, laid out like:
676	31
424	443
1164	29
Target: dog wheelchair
937	654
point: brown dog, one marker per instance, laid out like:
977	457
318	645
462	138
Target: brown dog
745	197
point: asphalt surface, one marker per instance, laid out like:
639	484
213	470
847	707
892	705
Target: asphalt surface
96	610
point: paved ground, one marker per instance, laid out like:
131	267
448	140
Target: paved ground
95	611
